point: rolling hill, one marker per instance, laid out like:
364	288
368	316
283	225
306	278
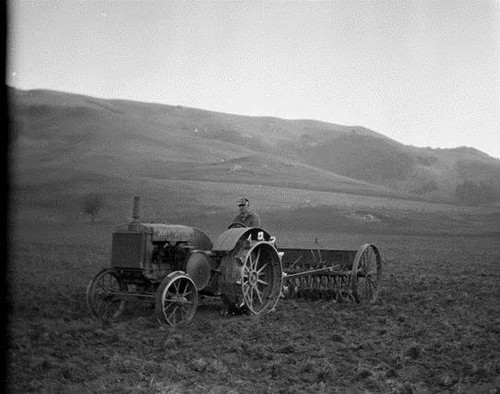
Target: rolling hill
65	145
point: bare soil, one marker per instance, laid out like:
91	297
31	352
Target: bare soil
436	327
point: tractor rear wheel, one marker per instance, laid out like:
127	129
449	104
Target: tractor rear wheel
104	295
176	299
252	279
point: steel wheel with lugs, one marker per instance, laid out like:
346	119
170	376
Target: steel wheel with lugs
176	299
253	279
105	295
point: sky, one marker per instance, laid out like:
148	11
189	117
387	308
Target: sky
424	73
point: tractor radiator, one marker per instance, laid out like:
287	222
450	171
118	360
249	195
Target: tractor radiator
128	250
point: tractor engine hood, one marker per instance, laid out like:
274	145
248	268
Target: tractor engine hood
169	233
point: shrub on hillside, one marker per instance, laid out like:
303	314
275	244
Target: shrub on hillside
92	205
427	160
472	193
478	171
362	157
427	186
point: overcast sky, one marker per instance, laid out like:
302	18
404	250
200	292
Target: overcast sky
425	73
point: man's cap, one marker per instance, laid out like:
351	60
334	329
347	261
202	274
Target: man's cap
243	201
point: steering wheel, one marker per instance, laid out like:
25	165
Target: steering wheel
237	225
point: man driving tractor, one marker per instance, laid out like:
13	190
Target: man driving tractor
245	216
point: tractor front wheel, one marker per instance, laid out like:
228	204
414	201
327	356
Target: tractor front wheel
176	299
104	295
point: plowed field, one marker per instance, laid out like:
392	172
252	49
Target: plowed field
435	328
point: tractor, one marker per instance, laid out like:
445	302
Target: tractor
174	264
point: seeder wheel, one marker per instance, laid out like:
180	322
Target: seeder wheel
176	299
103	295
366	274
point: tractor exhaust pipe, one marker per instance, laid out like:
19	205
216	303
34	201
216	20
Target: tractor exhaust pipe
136	209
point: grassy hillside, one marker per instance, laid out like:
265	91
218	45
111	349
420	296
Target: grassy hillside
67	145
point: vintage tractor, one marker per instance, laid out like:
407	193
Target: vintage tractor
172	264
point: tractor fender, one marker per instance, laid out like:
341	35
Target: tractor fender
229	238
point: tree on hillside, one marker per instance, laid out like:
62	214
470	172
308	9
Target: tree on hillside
92	205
